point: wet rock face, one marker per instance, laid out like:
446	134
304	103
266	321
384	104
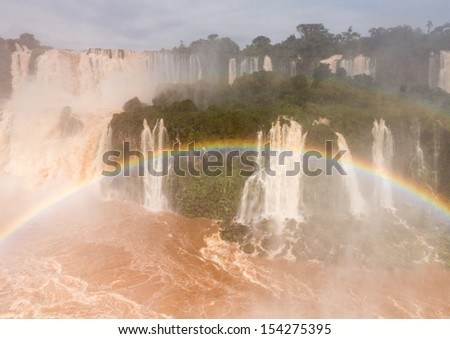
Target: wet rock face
132	104
69	125
5	70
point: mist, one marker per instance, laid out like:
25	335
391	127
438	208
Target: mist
368	244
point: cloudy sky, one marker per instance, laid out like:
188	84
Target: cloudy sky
149	24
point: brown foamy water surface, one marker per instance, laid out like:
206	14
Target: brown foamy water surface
122	261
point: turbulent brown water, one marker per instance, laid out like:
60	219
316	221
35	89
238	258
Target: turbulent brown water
120	260
90	258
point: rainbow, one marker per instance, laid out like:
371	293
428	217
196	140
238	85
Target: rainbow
425	195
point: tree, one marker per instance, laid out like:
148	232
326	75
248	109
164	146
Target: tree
315	42
363	80
376	32
429	26
350	35
288	47
29	40
261	41
213	36
440	37
315	39
321	72
341	72
260	46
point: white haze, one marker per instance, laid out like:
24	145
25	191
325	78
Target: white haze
100	254
142	25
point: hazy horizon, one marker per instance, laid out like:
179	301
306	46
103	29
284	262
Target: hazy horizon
141	25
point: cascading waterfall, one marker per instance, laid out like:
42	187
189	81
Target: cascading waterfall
277	202
276	198
104	77
56	119
56	146
439	70
293	68
172	68
436	156
267	64
153	141
104	146
254	64
417	165
195	69
358	65
4	139
333	62
244	67
20	60
355	66
91	85
232	71
357	203
106	187
249	65
252	196
444	71
382	153
363	65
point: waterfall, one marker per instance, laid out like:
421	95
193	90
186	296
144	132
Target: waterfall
444	71
54	127
436	155
249	65
439	70
363	65
20	60
417	165
382	152
254	64
154	197
354	66
231	71
267	65
293	68
244	68
195	69
252	196
333	61
104	146
103	77
4	139
275	198
357	203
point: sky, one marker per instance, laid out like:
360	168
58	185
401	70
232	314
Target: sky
152	25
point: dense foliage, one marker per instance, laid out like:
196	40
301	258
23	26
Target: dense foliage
255	101
351	105
402	53
214	111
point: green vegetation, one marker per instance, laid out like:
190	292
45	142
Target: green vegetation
253	103
210	197
401	53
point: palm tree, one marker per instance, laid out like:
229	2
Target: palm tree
429	26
